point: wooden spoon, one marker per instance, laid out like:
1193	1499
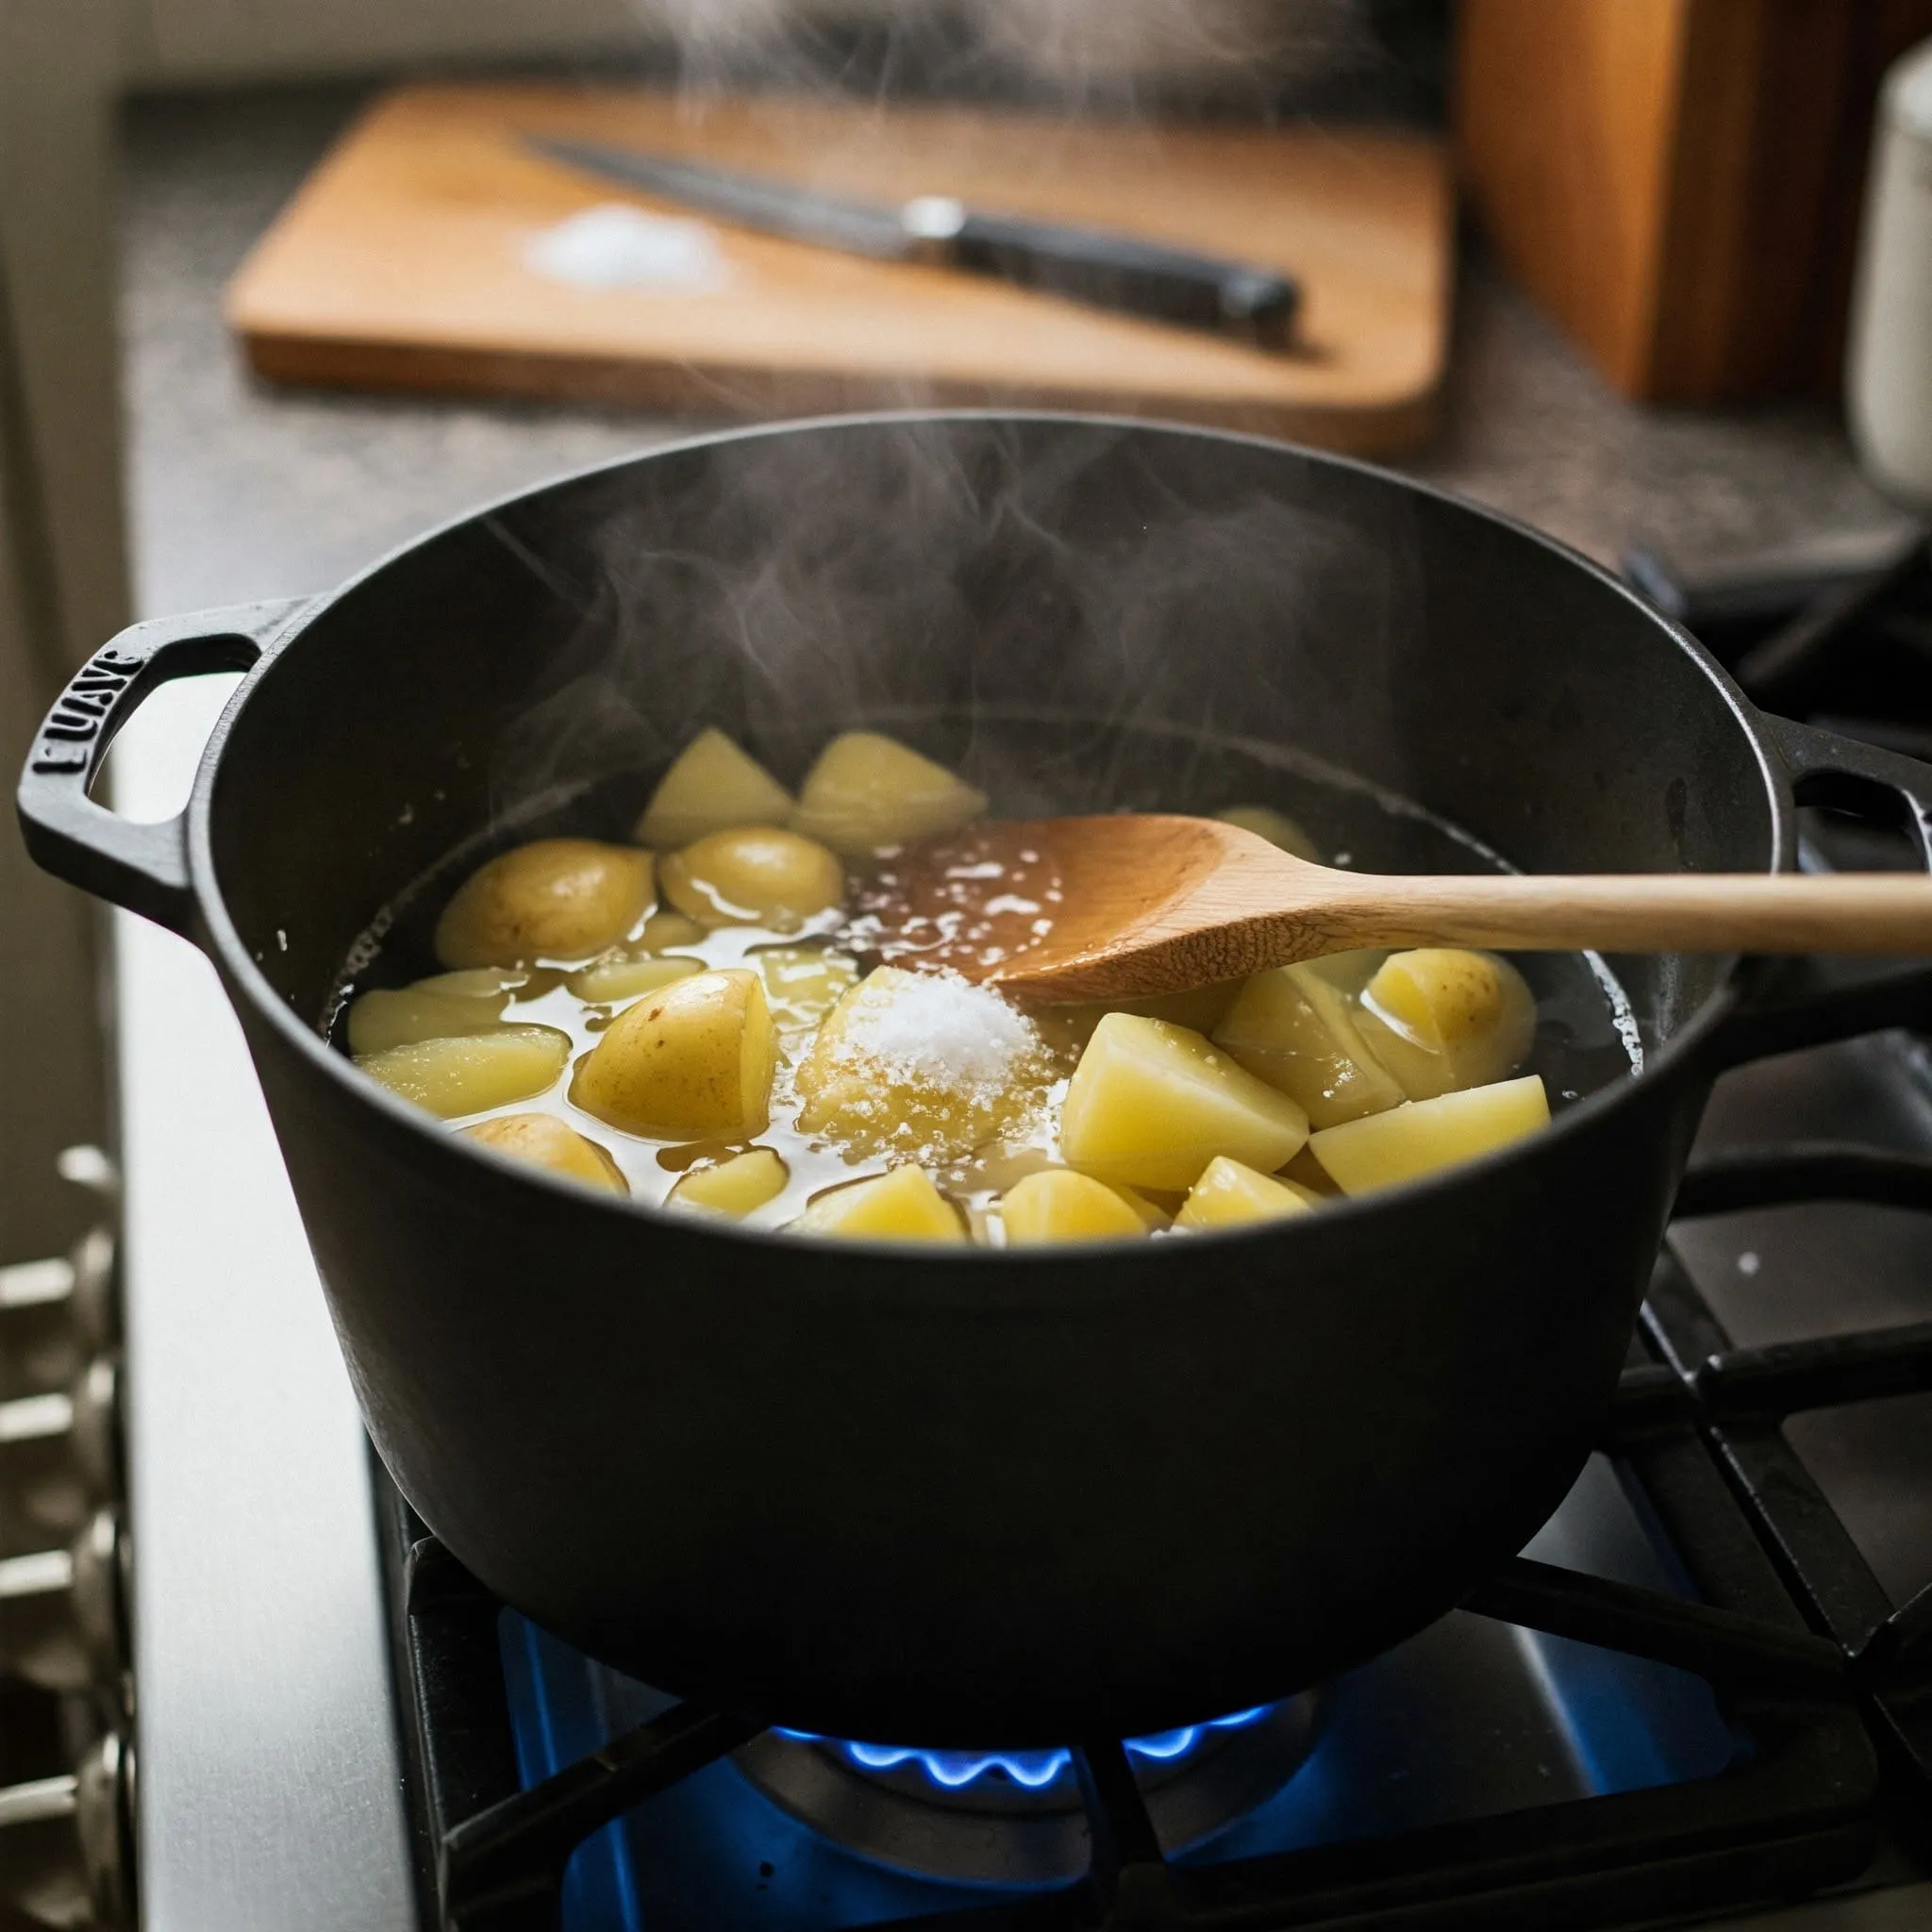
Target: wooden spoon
1118	908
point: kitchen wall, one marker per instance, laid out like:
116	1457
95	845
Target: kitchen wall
1067	43
208	40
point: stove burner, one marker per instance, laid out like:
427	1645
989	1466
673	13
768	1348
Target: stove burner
1016	1817
1033	1771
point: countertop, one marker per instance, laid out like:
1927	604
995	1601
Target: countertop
240	492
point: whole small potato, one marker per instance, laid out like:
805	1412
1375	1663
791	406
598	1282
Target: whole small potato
754	876
551	899
544	1140
693	1061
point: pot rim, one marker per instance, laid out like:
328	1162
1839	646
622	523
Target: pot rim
1671	1059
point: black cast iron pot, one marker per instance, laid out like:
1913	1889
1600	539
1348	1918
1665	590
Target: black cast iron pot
964	1498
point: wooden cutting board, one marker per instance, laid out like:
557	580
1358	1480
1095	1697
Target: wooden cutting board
404	263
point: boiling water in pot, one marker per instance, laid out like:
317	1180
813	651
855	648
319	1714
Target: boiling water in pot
1583	1036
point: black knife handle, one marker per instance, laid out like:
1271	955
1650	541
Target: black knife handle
1112	270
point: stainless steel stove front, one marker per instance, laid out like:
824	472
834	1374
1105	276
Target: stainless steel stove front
270	1788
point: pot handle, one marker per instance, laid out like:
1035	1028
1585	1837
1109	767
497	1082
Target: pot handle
1785	1004
141	868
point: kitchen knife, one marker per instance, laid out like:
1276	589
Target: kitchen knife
1099	266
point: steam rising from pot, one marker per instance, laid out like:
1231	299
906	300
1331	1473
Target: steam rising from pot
1116	53
933	575
800	586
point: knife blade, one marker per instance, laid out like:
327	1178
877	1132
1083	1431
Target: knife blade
1100	267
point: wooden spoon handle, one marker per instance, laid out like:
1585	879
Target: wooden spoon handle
1647	912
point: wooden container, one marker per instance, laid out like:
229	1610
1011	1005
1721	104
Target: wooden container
1678	181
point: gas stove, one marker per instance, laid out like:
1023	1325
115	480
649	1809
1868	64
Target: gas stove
1705	1688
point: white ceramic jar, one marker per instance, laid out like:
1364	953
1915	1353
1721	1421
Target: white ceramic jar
1889	372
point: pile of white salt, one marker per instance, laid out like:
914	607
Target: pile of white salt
923	1064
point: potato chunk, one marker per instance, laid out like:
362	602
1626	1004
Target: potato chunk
552	899
1229	1195
1151	1214
1304	1171
803	983
1275	826
499	983
922	1065
382	1019
474	1072
1441	1017
734	1187
755	876
545	1141
867	792
628	976
1292	1028
1151	1104
1349	971
1067	1029
1060	1205
711	786
902	1206
694	1059
1422	1136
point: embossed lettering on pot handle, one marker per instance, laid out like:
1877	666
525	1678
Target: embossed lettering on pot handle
1784	1005
142	868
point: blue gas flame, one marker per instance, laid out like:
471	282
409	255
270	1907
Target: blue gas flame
1034	1769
